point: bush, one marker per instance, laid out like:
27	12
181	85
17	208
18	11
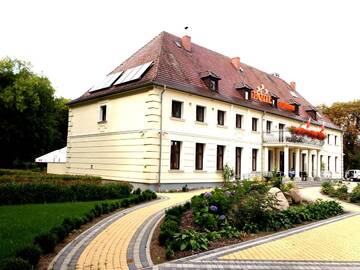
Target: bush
125	203
60	231
355	194
46	241
168	230
15	263
148	195
137	191
30	253
191	240
21	193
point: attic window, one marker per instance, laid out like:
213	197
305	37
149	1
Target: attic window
274	100
311	112
244	90
211	80
296	106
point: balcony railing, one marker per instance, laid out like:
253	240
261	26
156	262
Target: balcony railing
282	136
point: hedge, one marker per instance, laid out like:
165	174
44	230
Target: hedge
22	193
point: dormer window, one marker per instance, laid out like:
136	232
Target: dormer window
311	111
244	90
296	106
213	85
211	80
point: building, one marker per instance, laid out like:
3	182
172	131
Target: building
175	113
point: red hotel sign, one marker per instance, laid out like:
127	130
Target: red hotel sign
261	94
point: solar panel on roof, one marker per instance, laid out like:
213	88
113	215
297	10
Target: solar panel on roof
134	73
107	81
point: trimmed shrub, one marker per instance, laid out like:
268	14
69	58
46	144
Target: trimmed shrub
15	263
30	253
60	231
21	193
125	203
46	241
355	194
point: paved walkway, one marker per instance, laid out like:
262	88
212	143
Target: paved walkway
122	242
105	245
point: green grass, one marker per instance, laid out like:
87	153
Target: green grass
19	224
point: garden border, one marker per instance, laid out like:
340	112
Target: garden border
67	258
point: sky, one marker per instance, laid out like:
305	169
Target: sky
76	43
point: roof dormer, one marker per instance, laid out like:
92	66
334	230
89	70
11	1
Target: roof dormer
296	106
211	80
244	90
274	99
311	111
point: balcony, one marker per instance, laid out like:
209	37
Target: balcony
286	137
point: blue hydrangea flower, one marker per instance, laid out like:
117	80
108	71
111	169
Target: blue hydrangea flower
207	194
213	208
222	217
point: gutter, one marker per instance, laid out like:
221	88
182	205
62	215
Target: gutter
161	135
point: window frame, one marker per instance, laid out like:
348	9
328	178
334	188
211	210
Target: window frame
328	138
173	112
254	154
238	120
254	127
238	157
220	150
199	156
175	155
268	122
329	163
202	108
221	112
103	113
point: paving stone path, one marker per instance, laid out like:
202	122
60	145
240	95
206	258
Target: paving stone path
122	241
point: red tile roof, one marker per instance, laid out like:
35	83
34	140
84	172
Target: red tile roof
178	68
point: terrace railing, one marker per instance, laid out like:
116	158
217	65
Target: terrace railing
283	136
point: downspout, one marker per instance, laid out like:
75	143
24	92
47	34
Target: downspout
161	135
262	143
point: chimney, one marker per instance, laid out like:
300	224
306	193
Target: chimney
236	62
293	85
186	43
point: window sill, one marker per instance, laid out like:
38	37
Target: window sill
102	122
201	123
177	119
219	171
200	171
255	132
175	171
221	126
239	129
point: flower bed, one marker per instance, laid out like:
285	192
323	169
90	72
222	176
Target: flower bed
313	134
234	212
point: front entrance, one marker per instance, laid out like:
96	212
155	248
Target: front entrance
282	164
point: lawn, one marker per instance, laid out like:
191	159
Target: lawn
19	224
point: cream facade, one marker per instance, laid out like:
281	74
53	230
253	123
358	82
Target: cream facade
134	143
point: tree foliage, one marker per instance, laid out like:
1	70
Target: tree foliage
32	120
347	116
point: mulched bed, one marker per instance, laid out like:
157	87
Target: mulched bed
187	222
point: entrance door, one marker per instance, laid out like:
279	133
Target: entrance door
282	161
238	162
303	157
270	155
313	165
